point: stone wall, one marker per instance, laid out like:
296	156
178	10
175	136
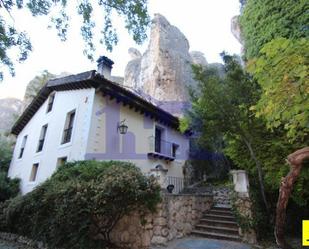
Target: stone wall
176	217
243	206
21	241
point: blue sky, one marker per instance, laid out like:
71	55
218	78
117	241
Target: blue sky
205	23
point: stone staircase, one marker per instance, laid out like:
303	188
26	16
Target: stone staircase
218	222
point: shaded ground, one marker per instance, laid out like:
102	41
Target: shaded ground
201	243
12	245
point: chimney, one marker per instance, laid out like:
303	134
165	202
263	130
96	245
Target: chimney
105	66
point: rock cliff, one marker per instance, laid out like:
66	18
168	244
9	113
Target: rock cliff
164	70
10	109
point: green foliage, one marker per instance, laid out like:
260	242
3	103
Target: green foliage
223	103
80	204
9	188
264	20
282	71
134	12
183	124
245	222
271	150
6	150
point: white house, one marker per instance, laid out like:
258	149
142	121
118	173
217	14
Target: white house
87	116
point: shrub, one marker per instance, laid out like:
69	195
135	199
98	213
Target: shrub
81	203
9	188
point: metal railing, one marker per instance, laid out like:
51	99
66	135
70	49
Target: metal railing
161	146
177	182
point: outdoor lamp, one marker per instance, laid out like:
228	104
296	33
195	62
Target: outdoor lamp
170	188
122	127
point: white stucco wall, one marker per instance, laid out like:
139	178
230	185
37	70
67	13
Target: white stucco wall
106	143
94	136
65	101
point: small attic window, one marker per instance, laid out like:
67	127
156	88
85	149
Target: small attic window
50	102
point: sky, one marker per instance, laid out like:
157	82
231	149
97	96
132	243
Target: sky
205	23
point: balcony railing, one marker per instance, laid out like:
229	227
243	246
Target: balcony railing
67	134
161	149
177	182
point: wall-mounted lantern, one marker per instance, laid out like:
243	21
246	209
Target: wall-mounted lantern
122	127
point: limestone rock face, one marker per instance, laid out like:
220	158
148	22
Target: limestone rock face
235	29
10	109
133	69
198	58
164	70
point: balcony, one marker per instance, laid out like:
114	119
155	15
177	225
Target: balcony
161	149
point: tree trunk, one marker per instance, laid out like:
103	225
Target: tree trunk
260	173
295	161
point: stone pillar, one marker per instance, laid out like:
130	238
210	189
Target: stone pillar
241	182
243	205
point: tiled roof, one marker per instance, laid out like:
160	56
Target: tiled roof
108	88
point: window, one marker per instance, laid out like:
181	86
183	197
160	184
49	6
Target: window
158	140
61	161
34	172
22	148
174	149
50	102
42	138
67	133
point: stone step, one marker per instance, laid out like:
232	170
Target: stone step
215	235
220	212
219	217
222	207
217	229
219	223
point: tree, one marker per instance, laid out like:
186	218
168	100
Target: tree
223	105
276	47
9	188
264	20
133	11
282	72
6	150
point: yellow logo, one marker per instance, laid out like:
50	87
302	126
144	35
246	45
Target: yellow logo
305	232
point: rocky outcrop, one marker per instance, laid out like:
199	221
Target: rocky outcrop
133	69
235	29
164	70
10	109
198	57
